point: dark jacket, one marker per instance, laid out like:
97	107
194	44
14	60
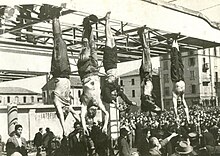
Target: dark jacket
77	146
47	137
124	149
38	139
13	146
208	139
107	96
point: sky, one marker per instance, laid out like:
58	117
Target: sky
210	8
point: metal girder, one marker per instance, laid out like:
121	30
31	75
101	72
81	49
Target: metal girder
125	32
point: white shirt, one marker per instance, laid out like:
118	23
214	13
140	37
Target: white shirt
19	141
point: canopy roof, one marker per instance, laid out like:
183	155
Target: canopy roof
23	29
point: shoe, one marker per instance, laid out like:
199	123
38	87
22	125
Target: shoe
93	18
152	105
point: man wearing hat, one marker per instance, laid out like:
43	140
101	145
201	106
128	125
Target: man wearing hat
183	149
123	145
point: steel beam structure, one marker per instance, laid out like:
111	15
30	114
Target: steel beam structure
15	35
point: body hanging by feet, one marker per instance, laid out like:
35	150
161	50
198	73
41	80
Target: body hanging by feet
60	69
111	89
147	97
88	71
177	73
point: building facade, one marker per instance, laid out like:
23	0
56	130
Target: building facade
201	75
18	95
131	84
76	90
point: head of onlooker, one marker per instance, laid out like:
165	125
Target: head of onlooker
184	148
18	130
78	126
92	110
123	132
41	130
204	129
47	129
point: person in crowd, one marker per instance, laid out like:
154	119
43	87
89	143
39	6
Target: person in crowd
17	143
88	71
111	89
214	129
77	141
101	140
60	69
177	77
183	149
143	146
38	141
208	142
46	139
123	143
2	146
155	145
148	103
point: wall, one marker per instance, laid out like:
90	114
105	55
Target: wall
31	118
128	87
19	99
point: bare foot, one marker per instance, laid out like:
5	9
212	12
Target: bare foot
107	16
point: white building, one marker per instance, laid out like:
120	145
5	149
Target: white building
201	75
76	90
18	95
131	84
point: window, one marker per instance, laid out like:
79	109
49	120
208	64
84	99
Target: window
133	93
32	98
215	51
191	61
8	99
16	99
132	81
24	99
216	76
79	93
166	78
192	75
166	91
193	89
121	82
190	52
165	65
205	83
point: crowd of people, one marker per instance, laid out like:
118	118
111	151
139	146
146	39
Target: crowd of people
201	133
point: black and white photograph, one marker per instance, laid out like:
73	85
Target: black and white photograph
110	78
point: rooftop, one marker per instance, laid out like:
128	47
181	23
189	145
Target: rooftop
16	90
136	72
